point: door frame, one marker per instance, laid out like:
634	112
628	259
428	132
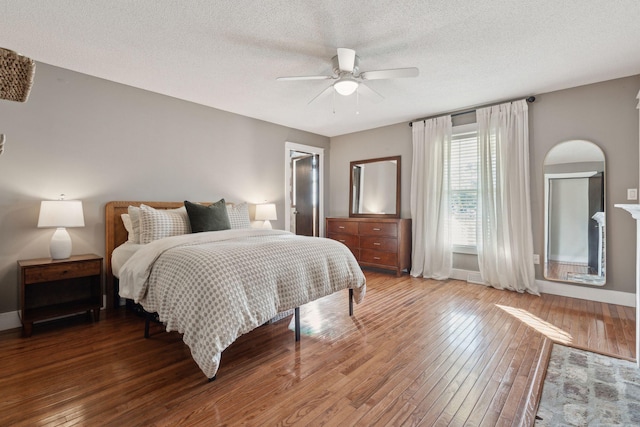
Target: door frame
293	146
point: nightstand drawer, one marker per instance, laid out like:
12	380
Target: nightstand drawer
38	274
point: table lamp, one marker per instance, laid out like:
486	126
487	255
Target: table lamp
60	214
267	213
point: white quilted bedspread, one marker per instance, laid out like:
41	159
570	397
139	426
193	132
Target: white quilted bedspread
213	287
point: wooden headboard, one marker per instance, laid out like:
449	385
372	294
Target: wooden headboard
116	234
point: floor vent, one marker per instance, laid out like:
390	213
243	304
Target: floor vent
475	278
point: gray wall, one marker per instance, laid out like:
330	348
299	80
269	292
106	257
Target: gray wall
98	141
604	113
394	140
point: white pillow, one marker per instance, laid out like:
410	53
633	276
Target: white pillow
134	216
160	223
239	215
126	220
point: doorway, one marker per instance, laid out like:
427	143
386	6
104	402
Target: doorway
304	190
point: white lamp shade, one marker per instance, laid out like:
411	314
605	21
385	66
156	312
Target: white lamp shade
266	212
61	213
345	86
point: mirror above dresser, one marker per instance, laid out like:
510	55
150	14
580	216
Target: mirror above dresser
374	188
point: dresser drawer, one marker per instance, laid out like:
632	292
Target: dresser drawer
47	273
378	257
387	244
379	229
351	240
343	227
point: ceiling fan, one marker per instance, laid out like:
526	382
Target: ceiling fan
348	77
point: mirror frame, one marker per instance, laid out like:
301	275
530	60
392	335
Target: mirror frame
398	187
547	178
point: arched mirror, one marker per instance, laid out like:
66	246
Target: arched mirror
574	226
374	188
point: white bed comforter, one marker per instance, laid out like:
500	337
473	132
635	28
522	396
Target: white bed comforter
213	287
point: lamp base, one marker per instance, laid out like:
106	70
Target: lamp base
60	247
267	224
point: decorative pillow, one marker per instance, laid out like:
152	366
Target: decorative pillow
208	218
126	220
134	216
160	223
239	215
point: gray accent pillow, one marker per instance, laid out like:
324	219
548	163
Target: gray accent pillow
208	218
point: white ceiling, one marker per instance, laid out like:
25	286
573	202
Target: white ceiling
227	53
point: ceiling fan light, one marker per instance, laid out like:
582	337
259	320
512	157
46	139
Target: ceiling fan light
345	86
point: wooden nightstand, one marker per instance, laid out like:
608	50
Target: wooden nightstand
52	288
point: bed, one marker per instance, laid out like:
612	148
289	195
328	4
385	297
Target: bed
214	286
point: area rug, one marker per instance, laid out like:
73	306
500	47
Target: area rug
582	388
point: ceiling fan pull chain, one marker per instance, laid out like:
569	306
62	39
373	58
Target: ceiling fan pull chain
333	102
357	102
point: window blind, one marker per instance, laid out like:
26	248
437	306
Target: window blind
463	186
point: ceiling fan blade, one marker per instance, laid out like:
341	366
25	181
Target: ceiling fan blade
390	74
329	89
294	78
346	59
369	93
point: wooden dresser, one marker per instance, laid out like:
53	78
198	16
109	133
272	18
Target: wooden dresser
382	243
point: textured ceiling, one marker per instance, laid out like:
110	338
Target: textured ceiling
227	54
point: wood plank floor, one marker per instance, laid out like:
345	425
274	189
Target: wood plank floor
416	352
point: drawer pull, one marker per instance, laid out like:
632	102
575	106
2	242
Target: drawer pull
341	226
376	229
376	257
376	244
341	241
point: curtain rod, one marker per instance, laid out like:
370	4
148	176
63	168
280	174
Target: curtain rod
530	100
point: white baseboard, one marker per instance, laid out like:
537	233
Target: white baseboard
10	320
627	299
563	289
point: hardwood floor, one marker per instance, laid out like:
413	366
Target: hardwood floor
416	352
561	270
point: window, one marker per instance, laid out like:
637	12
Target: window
463	187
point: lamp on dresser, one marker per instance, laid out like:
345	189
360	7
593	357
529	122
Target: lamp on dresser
60	214
267	213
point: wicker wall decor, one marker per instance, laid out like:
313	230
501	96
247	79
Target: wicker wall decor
16	75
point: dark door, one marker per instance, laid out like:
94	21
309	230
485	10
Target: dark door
596	204
306	193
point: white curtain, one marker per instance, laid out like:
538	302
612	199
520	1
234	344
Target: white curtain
505	244
431	255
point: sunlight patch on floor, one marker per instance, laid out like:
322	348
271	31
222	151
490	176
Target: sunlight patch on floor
311	322
547	329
